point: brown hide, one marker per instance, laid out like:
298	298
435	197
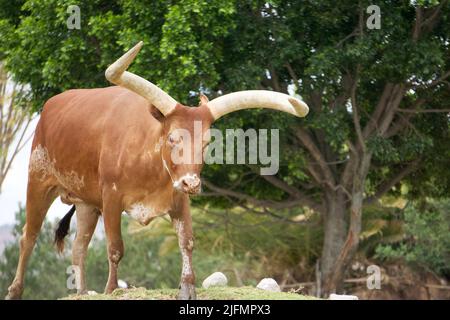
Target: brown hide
109	138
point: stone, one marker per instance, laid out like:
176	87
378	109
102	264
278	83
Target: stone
269	284
217	279
334	296
122	284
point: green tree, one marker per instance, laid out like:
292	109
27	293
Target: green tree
377	97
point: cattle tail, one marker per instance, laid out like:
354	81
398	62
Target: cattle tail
62	230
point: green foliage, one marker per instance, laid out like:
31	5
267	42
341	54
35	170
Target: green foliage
427	240
179	41
383	149
381	224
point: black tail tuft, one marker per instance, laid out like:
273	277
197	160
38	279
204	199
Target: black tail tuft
63	229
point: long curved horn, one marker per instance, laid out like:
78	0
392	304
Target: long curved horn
257	99
116	74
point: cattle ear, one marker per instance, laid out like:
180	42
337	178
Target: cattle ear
156	113
203	99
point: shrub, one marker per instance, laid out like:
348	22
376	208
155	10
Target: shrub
426	242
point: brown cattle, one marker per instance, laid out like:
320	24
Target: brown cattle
109	150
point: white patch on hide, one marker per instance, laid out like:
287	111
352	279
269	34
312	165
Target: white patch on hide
144	213
177	185
186	268
141	213
40	162
159	144
190	244
114	187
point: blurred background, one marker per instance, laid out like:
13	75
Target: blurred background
364	179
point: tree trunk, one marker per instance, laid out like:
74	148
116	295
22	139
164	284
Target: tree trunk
336	257
333	281
335	231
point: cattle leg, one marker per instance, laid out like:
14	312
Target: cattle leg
182	222
112	217
87	217
39	199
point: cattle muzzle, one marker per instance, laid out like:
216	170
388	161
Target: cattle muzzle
189	183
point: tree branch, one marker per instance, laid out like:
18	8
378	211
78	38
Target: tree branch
424	111
379	109
417	24
355	113
387	185
354	33
430	22
391	107
432	83
404	121
292	191
398	126
307	141
292	73
256	202
274	79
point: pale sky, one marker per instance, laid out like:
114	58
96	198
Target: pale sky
14	189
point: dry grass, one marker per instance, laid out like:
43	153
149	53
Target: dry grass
219	293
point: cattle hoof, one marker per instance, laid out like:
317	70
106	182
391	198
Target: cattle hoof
187	292
14	293
110	288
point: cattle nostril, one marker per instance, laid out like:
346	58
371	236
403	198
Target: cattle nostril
190	184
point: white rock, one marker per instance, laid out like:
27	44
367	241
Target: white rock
217	279
122	284
334	296
92	293
269	284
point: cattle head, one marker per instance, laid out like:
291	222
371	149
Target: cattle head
185	130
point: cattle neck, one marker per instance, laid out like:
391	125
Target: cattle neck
164	163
